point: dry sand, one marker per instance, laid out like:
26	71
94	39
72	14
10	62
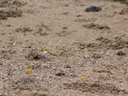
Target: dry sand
80	44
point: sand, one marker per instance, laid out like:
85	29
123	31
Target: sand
62	44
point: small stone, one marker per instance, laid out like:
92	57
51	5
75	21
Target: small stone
93	9
78	15
124	68
60	74
105	91
45	52
96	56
121	53
67	66
14	44
17	91
1	10
124	11
73	75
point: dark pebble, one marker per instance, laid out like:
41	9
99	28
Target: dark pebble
67	66
121	53
93	9
96	56
60	74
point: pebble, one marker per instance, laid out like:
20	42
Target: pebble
93	9
14	44
121	53
45	52
60	74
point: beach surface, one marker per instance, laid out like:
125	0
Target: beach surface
56	48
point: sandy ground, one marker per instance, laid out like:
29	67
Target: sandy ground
62	43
